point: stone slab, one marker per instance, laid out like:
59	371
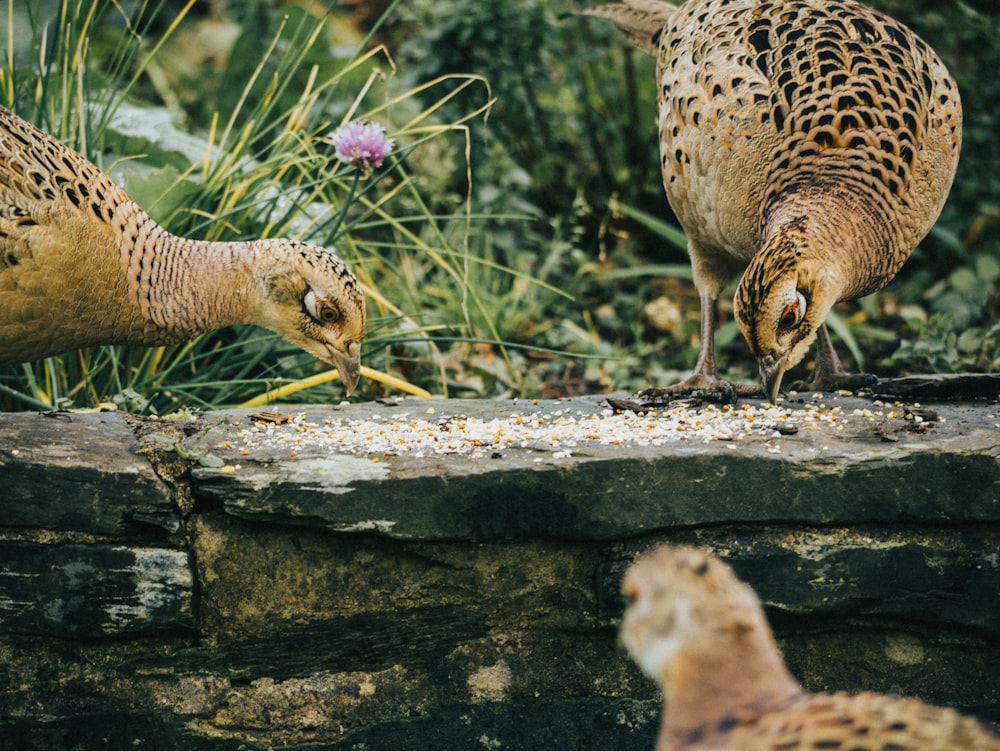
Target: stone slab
622	725
421	636
79	472
948	579
455	598
111	729
940	386
898	466
94	591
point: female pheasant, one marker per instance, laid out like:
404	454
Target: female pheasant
811	143
81	264
701	633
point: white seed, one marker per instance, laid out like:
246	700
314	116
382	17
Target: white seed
554	432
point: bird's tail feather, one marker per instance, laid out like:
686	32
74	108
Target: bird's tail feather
641	20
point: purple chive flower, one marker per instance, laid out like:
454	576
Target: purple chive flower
362	143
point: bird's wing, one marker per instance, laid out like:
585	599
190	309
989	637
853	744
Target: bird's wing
38	172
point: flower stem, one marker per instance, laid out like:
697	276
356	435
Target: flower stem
335	232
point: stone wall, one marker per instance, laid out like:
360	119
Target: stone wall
178	585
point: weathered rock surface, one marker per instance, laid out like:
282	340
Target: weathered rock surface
865	470
333	601
79	472
93	590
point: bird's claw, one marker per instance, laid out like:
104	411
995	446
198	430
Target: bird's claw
681	395
716	391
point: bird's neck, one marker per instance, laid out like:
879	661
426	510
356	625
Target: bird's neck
839	230
728	676
183	288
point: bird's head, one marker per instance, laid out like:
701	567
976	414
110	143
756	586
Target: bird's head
780	303
680	600
311	298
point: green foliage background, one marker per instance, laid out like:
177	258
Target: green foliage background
529	252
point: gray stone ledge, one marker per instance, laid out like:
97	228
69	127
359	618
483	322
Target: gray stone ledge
90	591
79	472
868	470
332	601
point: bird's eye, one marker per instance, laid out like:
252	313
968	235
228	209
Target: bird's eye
792	314
329	313
321	309
632	595
789	317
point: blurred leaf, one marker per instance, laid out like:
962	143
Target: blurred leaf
669	232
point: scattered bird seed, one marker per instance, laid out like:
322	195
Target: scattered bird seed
421	433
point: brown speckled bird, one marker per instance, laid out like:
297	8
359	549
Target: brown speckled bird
811	143
81	264
699	631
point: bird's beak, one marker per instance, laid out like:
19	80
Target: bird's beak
771	371
349	368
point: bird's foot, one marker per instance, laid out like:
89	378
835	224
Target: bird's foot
835	381
703	390
693	391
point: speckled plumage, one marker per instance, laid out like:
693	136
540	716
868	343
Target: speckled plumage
699	631
81	264
807	144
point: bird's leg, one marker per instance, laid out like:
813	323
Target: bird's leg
705	375
829	373
704	381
